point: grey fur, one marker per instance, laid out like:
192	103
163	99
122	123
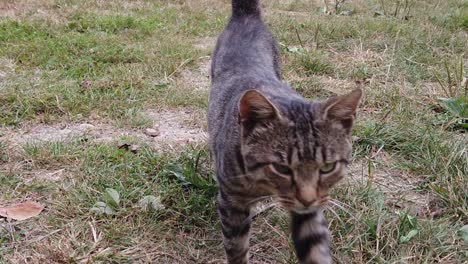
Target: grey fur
259	127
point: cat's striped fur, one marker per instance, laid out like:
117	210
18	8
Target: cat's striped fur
267	140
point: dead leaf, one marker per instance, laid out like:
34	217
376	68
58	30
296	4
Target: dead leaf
22	211
124	146
132	148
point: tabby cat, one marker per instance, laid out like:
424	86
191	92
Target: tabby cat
268	141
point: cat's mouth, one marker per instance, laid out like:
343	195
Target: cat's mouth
307	210
299	208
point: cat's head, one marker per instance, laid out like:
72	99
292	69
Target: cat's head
300	148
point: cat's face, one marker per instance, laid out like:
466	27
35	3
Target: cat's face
300	149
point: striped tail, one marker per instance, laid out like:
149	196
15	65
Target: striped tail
245	7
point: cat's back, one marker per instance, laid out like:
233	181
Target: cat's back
245	57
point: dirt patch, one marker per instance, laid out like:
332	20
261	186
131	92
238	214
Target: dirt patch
399	187
336	86
287	4
179	127
58	13
207	43
124	5
31	9
7	67
356	56
197	79
432	89
8	10
175	127
55	175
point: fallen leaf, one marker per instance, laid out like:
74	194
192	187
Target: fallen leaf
132	148
22	211
151	202
112	197
464	233
409	236
102	208
124	146
379	13
346	13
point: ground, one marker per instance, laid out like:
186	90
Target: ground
82	82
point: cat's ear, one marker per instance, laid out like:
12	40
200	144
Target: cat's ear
254	106
342	108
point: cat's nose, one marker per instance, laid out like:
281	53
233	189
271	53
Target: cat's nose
304	201
306	197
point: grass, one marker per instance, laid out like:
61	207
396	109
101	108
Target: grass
55	60
110	64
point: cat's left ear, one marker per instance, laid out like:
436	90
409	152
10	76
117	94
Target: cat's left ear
254	107
342	108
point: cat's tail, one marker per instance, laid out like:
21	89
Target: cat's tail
245	7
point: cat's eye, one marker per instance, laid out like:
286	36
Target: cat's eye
327	168
282	169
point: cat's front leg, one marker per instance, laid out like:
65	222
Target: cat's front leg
311	238
235	225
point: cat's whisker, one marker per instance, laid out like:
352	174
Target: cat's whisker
337	216
258	199
286	203
259	211
342	206
324	201
263	208
333	202
337	201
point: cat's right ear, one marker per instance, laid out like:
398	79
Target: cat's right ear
342	108
254	107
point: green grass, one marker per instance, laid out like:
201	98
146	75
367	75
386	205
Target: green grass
110	63
54	60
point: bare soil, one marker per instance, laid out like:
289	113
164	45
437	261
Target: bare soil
175	127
